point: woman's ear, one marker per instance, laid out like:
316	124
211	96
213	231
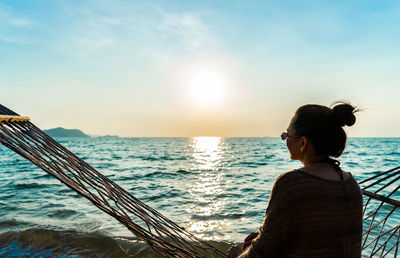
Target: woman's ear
303	143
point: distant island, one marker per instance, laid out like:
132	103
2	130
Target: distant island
109	136
62	132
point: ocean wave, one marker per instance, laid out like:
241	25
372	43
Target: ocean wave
161	174
62	214
43	175
218	216
40	242
156	158
184	172
252	164
27	185
13	223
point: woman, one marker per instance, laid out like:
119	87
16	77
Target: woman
314	211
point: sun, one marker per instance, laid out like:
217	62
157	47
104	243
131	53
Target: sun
207	87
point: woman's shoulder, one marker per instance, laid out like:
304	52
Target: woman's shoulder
299	177
287	187
288	178
289	175
295	183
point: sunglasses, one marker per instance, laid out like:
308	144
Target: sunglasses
285	135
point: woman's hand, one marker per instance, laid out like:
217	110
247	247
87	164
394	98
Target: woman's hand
247	240
234	251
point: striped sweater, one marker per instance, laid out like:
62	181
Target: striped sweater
308	216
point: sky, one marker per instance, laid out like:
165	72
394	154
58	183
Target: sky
199	68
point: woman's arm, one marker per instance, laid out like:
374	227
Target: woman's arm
237	249
248	239
277	228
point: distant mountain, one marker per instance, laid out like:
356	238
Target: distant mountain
110	136
62	132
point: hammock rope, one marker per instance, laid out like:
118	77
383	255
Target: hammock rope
162	234
380	237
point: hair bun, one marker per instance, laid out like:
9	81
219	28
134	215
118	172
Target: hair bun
343	113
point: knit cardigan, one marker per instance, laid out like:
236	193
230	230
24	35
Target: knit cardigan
308	216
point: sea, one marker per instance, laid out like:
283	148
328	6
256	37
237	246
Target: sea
217	188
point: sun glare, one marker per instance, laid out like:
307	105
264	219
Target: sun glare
207	87
207	151
208	154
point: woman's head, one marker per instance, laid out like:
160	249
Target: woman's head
322	126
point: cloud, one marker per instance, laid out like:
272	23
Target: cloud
105	29
188	28
12	25
9	18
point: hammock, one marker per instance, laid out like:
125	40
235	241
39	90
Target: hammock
163	235
381	237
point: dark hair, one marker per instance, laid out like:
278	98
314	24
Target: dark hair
323	126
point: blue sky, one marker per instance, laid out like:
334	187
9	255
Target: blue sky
190	68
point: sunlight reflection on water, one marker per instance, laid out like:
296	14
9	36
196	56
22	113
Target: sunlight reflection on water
207	153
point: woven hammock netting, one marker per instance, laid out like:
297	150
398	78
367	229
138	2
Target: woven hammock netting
380	238
162	234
